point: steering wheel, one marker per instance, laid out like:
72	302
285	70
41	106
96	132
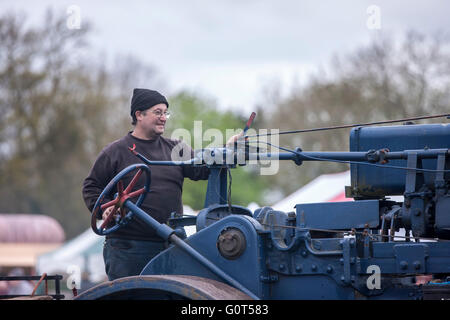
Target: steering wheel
120	198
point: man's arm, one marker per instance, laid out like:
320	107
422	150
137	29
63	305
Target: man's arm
101	174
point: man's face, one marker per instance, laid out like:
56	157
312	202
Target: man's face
149	122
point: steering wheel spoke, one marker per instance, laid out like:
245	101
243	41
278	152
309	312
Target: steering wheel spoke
120	189
136	193
133	181
109	204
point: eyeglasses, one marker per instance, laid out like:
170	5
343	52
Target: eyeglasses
159	114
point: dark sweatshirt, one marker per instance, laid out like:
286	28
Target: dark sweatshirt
166	181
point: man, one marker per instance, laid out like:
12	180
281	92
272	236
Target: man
129	249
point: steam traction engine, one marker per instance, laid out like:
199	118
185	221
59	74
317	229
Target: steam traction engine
370	248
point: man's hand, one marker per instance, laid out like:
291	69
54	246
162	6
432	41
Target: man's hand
108	211
234	138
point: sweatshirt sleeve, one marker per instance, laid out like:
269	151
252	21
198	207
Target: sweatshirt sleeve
101	174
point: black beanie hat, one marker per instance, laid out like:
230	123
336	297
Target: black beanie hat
144	99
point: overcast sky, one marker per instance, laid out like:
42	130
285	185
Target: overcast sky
230	50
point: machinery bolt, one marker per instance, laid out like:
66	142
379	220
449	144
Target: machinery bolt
417	265
341	260
329	269
281	266
304	253
298	268
314	267
403	265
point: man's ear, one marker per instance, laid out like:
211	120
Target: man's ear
138	113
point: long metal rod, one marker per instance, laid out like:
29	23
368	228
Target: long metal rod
345	156
162	229
166	163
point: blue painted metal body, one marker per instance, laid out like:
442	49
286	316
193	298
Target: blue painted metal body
340	215
304	254
174	261
300	267
166	233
